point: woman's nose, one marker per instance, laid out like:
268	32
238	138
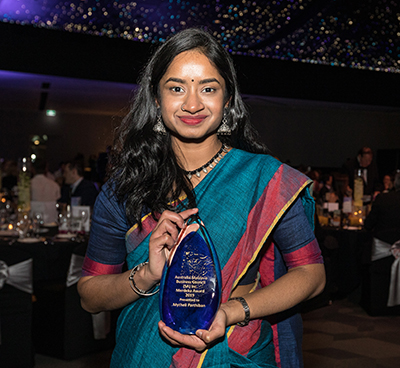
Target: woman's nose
192	103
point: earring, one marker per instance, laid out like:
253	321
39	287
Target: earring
159	128
224	128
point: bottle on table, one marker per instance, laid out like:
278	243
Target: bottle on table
358	193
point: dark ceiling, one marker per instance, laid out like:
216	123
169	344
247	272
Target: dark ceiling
55	53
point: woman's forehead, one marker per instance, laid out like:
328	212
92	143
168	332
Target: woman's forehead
192	64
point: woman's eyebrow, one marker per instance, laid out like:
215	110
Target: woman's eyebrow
177	80
209	80
203	81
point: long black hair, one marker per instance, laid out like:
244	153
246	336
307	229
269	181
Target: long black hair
144	170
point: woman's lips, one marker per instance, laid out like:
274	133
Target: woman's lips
193	120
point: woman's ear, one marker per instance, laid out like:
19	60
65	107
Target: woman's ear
228	102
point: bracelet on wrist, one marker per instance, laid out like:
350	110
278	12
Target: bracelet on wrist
246	308
138	291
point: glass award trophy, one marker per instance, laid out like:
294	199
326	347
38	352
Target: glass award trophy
190	287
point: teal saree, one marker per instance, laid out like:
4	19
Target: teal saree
240	202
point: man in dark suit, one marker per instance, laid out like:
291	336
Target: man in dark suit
384	218
369	170
77	190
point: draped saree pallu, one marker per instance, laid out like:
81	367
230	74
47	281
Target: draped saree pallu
240	202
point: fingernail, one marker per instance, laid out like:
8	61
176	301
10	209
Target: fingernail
200	334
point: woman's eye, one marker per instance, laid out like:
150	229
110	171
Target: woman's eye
209	89
177	89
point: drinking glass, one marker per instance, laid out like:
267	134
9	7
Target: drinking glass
23	225
37	222
64	222
83	215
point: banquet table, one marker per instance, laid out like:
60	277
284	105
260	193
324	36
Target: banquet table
346	254
51	256
60	327
16	347
346	251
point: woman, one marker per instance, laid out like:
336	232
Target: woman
187	111
387	184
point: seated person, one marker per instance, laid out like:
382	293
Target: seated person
77	190
383	220
332	197
44	192
315	177
384	273
59	174
387	184
327	188
385	187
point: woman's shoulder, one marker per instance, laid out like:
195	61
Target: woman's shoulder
263	163
250	156
108	200
249	159
107	190
108	197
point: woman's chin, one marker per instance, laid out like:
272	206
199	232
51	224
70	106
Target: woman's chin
193	137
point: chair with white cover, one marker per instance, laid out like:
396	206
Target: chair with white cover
16	348
70	332
381	280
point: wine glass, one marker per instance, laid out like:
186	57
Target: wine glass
64	222
37	222
84	215
22	226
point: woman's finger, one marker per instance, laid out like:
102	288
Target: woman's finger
172	222
163	238
176	338
187	213
177	218
169	223
208	336
216	331
166	227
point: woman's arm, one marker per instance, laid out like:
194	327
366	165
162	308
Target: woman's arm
299	284
304	280
107	292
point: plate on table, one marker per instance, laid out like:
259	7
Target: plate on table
351	228
8	233
31	240
50	224
65	236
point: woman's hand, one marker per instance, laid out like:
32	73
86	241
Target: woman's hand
163	238
203	338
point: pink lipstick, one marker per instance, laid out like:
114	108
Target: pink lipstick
192	120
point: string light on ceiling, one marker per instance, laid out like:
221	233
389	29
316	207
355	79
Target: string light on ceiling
355	34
